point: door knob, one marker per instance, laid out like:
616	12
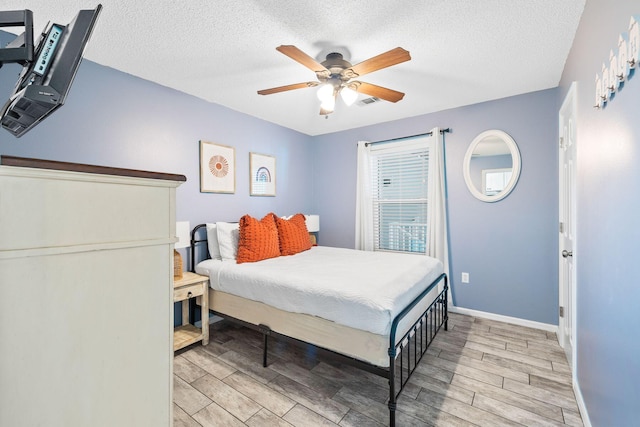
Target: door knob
566	253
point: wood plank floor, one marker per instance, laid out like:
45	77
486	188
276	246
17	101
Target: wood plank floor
478	373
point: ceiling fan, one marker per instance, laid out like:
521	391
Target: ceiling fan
335	76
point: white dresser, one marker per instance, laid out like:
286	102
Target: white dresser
86	295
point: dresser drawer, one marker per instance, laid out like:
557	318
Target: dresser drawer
188	292
52	209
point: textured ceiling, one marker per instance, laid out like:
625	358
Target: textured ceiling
463	51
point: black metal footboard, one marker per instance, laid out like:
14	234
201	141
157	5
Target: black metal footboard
406	353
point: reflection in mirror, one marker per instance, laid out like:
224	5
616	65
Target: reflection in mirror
492	166
495	180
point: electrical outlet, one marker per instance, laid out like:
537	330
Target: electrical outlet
465	277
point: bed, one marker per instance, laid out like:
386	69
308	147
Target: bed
378	311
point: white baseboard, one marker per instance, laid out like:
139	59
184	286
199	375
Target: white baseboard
500	318
581	405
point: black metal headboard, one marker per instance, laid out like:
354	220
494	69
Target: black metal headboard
198	231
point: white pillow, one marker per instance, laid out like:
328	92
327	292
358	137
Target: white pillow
212	241
228	235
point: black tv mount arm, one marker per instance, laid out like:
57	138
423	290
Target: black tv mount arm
19	50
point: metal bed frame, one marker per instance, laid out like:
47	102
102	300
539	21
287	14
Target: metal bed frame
403	356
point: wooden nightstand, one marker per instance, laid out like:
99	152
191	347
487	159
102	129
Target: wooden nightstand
190	286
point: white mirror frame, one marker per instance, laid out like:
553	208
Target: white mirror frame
515	156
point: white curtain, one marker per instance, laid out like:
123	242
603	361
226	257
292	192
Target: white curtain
364	206
438	239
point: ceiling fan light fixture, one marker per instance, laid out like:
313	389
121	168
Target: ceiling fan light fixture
325	93
348	95
335	74
328	104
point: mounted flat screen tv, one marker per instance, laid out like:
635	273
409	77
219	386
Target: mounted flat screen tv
45	81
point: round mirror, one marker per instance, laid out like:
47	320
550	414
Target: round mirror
492	166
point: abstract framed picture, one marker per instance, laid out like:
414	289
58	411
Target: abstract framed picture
263	174
217	168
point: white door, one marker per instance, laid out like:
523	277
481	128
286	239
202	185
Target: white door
567	214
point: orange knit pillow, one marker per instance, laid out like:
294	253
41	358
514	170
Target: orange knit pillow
293	235
258	239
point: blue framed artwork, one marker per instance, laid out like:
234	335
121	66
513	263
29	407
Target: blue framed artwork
263	174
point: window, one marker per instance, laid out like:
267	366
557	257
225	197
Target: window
495	180
399	187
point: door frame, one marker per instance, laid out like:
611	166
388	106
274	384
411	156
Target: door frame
568	111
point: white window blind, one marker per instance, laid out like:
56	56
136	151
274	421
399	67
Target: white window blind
399	174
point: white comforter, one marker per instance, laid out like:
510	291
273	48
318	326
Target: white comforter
362	290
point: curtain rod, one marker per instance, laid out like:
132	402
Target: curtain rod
442	131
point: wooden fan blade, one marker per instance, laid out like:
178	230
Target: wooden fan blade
384	60
286	88
304	59
379	92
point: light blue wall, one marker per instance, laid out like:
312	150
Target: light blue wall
608	235
509	248
114	119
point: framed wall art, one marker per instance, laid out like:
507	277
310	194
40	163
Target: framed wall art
217	168
263	174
